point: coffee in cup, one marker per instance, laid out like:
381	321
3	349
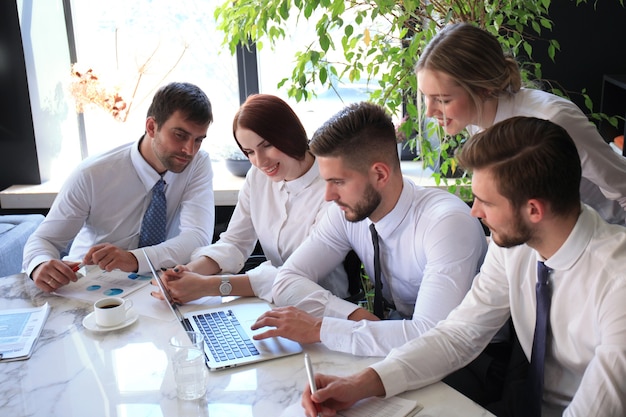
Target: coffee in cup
111	311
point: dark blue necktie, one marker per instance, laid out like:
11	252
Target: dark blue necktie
535	374
379	306
155	218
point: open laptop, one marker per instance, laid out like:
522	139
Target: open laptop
227	334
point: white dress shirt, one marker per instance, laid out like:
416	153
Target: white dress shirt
280	215
105	198
430	250
603	170
585	364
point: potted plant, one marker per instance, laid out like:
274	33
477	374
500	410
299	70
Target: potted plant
237	163
380	41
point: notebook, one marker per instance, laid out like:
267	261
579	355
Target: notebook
387	407
227	334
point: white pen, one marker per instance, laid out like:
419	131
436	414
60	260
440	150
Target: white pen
311	376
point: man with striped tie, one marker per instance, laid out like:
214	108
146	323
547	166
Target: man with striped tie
154	193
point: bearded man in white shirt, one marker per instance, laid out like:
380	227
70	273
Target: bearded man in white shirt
526	177
100	208
430	246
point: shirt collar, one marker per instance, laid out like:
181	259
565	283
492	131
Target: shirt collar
392	220
148	175
303	182
575	244
503	110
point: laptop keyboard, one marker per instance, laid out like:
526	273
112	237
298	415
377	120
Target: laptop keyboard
224	336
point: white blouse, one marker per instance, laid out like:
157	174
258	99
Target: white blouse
280	215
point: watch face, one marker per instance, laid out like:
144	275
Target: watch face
225	287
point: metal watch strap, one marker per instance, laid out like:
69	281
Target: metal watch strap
225	287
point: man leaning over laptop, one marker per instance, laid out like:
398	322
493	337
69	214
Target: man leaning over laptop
430	246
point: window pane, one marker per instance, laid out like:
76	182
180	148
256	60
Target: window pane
47	62
137	46
277	63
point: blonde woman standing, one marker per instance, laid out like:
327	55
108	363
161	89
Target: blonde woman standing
468	82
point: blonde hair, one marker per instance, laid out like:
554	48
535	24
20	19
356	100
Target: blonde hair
474	59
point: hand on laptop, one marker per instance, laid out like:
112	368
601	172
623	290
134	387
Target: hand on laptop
291	323
109	257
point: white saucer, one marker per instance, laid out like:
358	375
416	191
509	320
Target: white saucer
90	322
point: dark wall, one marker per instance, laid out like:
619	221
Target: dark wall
18	153
593	43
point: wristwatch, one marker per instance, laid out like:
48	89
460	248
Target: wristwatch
225	286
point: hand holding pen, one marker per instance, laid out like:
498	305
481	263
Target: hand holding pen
311	376
76	268
54	274
338	393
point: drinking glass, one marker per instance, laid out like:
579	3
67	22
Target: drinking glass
188	362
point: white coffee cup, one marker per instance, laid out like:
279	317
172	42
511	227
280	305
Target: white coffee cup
111	311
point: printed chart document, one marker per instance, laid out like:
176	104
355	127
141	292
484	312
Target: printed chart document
382	407
96	283
20	329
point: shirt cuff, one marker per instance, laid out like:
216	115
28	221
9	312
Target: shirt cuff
142	262
335	334
392	376
229	260
261	279
38	260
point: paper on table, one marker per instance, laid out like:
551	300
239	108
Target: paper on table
19	331
149	306
97	283
383	407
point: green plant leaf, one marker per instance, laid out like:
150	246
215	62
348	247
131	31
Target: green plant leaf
381	40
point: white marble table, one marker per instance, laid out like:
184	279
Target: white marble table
77	373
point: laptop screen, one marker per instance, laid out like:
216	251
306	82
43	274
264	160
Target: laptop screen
166	294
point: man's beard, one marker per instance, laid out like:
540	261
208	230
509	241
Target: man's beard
521	234
364	207
174	165
169	160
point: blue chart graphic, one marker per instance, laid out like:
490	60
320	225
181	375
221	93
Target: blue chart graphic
116	290
139	277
